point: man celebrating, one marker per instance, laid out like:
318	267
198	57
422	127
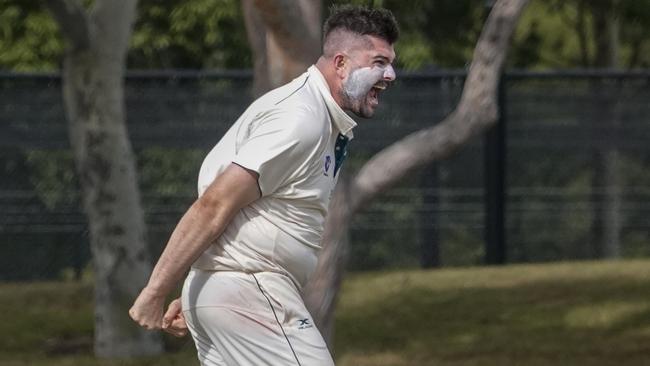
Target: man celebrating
253	235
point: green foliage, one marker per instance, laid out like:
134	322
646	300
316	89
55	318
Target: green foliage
385	234
53	177
210	33
189	34
199	34
29	37
167	34
447	29
414	51
442	34
548	34
165	172
461	246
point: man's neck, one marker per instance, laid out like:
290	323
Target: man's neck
331	79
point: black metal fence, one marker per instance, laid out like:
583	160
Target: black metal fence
577	144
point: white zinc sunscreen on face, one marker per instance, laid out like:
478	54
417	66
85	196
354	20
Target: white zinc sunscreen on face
360	81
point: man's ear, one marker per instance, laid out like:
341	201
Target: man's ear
339	65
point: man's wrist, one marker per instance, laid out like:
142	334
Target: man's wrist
153	290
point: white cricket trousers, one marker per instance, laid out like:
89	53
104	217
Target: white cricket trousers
244	319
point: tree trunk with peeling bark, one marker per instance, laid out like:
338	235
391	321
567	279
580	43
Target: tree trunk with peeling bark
285	39
93	71
476	112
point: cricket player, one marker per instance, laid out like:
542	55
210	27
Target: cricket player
251	239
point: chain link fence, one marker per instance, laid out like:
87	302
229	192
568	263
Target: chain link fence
577	181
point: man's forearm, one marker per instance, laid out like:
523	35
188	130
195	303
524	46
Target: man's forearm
196	230
201	225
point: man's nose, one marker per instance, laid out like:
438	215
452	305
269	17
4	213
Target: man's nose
389	73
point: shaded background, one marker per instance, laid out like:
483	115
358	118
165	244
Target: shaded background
557	124
575	96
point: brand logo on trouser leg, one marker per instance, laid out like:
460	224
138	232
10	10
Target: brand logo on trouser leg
304	323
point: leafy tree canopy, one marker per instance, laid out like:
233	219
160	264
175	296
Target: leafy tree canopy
195	34
189	34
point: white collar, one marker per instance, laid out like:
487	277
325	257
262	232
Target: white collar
341	120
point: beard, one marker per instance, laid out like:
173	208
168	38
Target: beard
362	107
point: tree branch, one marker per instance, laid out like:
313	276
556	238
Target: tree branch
73	21
318	295
476	111
256	33
290	26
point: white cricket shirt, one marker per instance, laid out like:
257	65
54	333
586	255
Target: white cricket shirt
294	137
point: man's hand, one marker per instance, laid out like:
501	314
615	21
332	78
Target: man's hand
174	322
199	227
147	310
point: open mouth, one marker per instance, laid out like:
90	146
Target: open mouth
374	92
380	86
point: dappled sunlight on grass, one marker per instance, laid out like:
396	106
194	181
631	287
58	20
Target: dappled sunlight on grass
553	313
606	315
587	313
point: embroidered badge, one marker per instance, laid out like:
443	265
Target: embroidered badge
328	162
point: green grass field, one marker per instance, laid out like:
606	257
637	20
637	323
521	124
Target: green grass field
584	313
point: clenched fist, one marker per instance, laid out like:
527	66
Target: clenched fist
147	311
174	322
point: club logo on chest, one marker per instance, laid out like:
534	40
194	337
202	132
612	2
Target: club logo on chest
328	162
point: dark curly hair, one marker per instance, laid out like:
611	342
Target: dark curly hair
362	20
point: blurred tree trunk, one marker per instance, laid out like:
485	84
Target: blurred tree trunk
285	38
476	112
93	71
606	182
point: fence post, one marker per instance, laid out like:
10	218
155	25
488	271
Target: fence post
495	176
429	238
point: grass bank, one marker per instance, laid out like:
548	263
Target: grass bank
587	313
